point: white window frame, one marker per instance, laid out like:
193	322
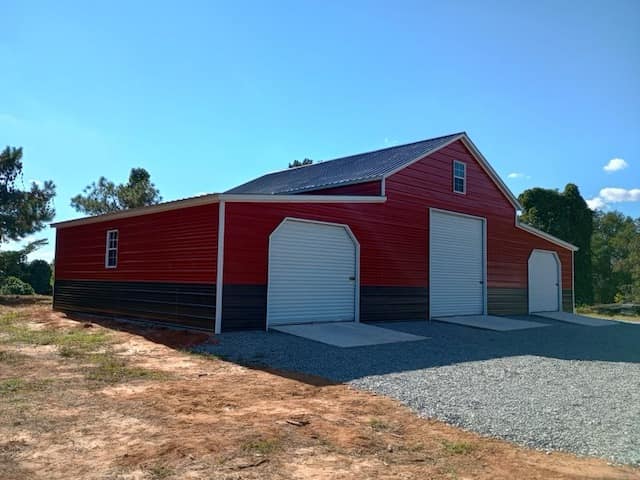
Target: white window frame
457	177
109	249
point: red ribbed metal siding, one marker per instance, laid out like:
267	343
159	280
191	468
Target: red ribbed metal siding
394	236
171	246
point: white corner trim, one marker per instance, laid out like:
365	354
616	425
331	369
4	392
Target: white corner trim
545	236
220	269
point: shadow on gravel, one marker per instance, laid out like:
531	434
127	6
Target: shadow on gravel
447	344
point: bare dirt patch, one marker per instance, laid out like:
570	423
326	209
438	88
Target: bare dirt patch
130	404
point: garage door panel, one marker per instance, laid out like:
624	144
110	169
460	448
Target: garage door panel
457	265
312	268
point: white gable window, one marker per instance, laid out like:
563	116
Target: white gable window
111	255
459	177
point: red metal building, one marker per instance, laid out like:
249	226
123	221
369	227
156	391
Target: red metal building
410	232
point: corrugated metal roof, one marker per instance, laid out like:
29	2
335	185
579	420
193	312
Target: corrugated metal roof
355	168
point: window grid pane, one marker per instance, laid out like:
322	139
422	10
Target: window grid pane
112	249
458	185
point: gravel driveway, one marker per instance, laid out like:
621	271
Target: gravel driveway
564	387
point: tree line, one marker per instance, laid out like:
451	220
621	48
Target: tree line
607	266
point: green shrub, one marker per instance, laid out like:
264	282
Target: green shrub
15	286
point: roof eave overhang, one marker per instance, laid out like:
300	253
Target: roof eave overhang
216	198
546	236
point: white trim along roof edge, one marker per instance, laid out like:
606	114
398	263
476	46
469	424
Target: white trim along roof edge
546	236
217	197
477	155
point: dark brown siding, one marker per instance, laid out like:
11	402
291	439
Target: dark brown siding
507	301
244	307
389	304
185	304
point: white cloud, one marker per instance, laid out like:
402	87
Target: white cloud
596	203
516	175
614	165
613	195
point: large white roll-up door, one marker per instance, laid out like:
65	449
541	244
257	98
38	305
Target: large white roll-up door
456	283
312	273
544	282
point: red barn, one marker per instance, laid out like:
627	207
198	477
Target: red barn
411	232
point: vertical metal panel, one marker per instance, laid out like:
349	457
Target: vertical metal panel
457	265
312	274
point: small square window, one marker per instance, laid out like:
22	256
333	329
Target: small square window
459	177
111	254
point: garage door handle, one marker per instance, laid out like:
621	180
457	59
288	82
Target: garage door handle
481	282
352	278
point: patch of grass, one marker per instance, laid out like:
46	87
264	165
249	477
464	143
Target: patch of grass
16	385
262	446
108	368
79	339
458	448
378	425
12	358
11	385
160	472
71	342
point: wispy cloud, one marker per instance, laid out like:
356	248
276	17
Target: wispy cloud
518	175
613	195
614	165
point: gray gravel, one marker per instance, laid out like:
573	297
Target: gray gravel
565	387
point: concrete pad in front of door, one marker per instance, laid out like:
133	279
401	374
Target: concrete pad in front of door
577	319
489	322
347	334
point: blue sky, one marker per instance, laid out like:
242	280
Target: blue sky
206	95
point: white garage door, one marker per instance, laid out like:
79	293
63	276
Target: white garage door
544	282
457	265
312	274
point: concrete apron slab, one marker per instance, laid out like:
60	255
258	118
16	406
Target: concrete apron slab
489	322
347	334
577	319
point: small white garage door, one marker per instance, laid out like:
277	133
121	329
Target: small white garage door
544	282
457	265
312	273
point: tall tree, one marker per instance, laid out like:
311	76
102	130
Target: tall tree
13	263
22	211
566	216
615	257
104	196
298	163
